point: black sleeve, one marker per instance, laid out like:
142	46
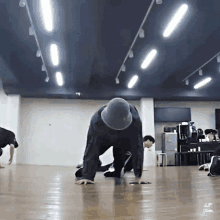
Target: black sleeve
91	155
137	148
138	152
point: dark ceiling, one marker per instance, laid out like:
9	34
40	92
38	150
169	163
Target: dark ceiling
94	38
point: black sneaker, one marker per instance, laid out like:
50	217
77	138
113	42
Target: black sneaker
202	167
78	173
206	168
109	173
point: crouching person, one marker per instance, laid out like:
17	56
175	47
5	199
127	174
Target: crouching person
118	124
7	138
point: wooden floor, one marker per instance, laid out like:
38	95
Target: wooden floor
44	192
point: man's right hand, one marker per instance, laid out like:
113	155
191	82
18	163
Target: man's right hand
139	181
84	182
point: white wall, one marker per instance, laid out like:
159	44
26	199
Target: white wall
203	114
54	131
3	106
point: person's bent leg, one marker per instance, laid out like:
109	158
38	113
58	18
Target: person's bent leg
119	159
102	150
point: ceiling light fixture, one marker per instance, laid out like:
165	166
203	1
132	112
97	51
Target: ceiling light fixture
123	68
78	93
59	78
47	14
149	58
187	82
54	54
22	3
200	72
159	2
218	58
131	54
175	20
132	81
141	33
202	83
43	68
31	30
38	54
47	79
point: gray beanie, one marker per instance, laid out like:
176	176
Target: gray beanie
116	114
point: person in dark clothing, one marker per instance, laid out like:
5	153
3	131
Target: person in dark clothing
7	137
148	141
206	166
109	170
118	124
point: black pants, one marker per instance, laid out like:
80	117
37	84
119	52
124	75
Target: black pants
127	167
125	163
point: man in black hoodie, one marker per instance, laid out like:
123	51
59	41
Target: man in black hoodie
7	137
118	124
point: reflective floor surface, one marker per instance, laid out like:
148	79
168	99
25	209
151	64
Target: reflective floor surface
50	192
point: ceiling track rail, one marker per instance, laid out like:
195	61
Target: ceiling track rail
201	67
139	30
35	35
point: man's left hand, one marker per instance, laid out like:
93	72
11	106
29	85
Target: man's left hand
139	181
84	182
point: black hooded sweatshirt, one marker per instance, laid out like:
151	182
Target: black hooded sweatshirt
7	137
100	135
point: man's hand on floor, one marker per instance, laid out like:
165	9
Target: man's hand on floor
84	182
139	181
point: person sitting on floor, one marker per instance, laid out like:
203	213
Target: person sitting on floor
206	166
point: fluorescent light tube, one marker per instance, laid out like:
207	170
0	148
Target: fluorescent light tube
149	59
175	20
59	78
202	83
47	14
54	54
132	81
